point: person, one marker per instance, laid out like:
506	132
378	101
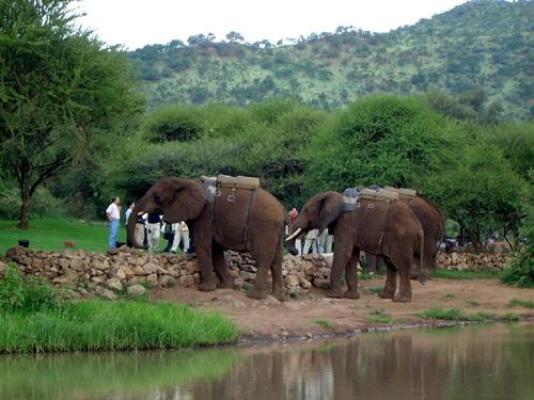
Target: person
153	229
128	212
181	236
293	214
113	213
168	231
325	242
310	242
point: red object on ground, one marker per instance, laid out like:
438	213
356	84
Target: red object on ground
69	244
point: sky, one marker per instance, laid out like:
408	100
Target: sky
136	23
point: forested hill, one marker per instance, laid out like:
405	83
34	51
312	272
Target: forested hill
482	44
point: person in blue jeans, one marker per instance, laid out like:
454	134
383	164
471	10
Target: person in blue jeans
113	212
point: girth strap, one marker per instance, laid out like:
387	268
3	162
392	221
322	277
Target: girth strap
249	207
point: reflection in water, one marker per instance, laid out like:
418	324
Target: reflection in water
492	362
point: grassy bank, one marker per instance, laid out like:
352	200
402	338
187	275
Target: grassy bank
464	275
98	325
51	233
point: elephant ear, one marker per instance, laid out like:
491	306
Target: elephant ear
188	201
330	209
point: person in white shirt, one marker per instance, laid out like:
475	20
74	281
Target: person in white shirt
113	213
181	234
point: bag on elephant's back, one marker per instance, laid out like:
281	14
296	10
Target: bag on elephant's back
404	194
239	182
378	195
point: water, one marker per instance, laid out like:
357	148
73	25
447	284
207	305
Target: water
482	362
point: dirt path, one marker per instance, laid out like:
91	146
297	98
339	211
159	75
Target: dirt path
300	317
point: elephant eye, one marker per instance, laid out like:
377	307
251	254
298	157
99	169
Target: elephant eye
157	199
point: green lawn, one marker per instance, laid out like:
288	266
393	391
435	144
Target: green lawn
51	233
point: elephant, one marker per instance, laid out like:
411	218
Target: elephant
433	227
233	218
386	228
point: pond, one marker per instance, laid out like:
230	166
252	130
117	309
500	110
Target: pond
477	362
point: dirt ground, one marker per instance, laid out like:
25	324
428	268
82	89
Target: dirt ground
299	317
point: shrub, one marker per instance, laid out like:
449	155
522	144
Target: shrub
386	140
520	273
25	294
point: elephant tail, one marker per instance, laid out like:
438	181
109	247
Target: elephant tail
420	272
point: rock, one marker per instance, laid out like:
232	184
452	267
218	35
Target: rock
38	263
248	268
186	281
167	281
321	283
15	253
114	284
120	274
76	264
291	281
136	291
304	283
69	278
2	267
64	263
150	268
152	280
105	293
247	276
137	270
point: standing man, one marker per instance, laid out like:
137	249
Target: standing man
128	212
113	212
293	214
153	230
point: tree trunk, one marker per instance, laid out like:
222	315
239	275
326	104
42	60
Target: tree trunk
26	204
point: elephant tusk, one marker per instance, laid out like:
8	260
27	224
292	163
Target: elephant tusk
294	235
140	213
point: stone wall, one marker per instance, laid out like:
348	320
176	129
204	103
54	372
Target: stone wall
473	262
131	271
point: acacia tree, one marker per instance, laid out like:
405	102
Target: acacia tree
60	87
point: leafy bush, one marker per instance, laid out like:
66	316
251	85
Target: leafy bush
385	140
25	294
521	271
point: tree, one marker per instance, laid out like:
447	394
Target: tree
235	37
60	88
382	140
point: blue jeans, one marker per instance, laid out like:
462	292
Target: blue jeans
113	233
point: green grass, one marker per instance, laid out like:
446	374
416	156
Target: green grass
379	317
97	325
325	323
521	303
455	314
51	233
511	317
464	275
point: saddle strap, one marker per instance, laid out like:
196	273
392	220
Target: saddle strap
249	207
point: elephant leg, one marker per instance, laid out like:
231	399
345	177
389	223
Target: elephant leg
342	255
226	280
279	290
391	282
404	292
263	263
351	276
204	256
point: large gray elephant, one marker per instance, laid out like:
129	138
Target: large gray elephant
385	228
233	218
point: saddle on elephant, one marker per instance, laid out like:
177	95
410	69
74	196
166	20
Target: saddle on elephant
404	194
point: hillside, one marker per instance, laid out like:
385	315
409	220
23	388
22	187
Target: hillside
482	44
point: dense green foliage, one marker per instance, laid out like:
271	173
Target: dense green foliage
264	140
25	295
61	89
483	44
33	319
